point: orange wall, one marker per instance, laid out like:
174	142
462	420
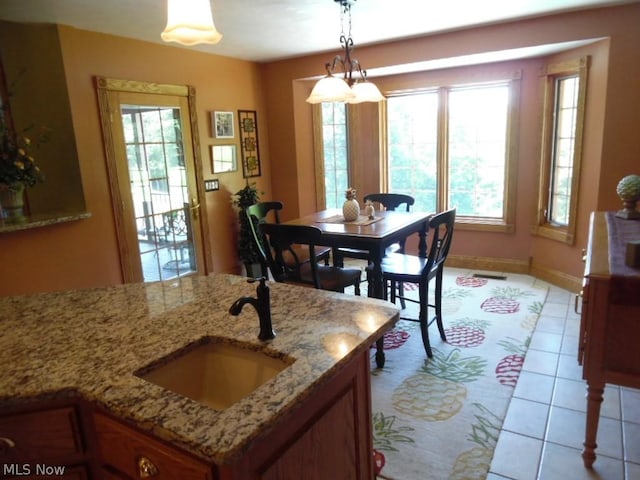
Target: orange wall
611	148
84	253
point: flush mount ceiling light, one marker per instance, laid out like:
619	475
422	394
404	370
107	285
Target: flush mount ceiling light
189	22
346	89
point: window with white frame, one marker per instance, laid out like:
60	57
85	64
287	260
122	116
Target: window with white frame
565	90
451	147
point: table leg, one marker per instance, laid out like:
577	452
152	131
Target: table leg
594	401
380	358
377	291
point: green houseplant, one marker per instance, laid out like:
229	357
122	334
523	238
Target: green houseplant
247	251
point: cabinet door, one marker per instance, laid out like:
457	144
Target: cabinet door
40	436
136	455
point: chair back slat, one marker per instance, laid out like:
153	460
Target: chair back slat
281	237
441	232
391	201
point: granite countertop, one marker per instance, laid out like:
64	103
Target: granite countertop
88	343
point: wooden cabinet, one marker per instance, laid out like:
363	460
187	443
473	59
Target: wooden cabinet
327	435
130	454
44	443
610	320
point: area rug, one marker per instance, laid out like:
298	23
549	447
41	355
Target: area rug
440	418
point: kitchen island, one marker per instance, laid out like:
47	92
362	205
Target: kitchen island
86	345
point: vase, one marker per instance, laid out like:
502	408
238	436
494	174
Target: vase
350	210
12	201
628	190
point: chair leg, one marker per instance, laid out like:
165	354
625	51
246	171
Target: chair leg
403	304
424	317
438	303
356	289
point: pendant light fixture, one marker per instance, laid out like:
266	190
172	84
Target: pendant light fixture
346	89
190	22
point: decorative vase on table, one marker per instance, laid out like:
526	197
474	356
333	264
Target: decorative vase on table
350	208
12	201
628	189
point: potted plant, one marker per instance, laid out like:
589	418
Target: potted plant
247	251
18	170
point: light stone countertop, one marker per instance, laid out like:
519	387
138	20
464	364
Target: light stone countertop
88	343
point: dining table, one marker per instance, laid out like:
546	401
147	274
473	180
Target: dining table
374	235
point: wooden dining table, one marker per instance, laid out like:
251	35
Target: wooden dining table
373	235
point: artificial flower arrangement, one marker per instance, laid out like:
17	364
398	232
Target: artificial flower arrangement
18	167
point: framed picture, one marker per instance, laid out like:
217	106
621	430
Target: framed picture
247	120
224	158
222	124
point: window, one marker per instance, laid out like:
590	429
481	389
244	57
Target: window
332	167
565	88
451	147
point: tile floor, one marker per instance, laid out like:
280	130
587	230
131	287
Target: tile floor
543	431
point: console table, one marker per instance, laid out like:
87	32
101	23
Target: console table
610	320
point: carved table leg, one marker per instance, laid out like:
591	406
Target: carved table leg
594	401
380	352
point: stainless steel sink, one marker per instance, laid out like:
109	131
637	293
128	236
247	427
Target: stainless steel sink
215	373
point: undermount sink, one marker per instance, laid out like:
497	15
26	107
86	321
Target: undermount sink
215	373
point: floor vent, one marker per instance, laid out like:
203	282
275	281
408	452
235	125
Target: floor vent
488	276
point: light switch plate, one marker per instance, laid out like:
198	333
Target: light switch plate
211	185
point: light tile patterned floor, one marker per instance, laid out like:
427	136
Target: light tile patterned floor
543	431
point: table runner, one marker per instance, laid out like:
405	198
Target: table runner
362	220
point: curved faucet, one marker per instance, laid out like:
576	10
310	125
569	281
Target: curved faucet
262	305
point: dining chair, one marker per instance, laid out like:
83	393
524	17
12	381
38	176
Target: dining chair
389	201
279	238
400	267
260	213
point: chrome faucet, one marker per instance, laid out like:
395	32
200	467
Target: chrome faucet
262	306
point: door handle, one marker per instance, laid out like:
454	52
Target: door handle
195	207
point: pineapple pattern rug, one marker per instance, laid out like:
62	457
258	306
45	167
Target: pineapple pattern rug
440	418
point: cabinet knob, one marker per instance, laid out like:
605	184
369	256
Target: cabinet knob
146	468
6	443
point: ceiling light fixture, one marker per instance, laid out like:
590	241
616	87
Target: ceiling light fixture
190	22
346	89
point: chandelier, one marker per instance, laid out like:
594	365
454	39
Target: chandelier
190	22
346	89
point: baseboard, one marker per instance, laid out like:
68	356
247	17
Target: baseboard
554	277
488	263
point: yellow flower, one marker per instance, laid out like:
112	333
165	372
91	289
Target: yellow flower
21	152
19	164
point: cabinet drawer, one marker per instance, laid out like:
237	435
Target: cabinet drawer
131	452
40	436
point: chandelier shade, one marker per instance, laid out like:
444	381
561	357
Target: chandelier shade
365	92
347	89
331	89
190	22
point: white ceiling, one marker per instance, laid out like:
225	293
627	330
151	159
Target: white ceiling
264	30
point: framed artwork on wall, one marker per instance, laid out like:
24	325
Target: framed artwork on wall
222	124
247	120
224	158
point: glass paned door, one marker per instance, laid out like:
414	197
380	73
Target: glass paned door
159	190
